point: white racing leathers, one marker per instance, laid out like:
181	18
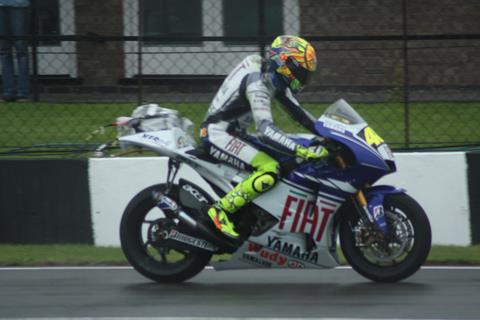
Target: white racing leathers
245	96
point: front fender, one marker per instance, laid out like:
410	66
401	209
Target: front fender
375	196
383	190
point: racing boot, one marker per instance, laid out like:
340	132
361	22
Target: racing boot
221	221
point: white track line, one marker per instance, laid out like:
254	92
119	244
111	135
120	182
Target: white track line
216	318
59	268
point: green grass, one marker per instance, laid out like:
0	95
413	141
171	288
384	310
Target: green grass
429	123
25	124
455	255
32	255
35	255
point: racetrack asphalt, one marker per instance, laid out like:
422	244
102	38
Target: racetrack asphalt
432	293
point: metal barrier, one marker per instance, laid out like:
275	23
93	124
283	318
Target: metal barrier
410	70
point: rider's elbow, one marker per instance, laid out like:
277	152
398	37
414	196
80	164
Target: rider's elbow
263	129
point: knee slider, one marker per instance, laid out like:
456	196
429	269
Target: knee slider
264	181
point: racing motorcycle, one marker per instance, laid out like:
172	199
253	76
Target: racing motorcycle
383	233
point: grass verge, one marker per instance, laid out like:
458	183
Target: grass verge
426	123
72	255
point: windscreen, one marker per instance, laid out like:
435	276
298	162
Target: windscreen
341	111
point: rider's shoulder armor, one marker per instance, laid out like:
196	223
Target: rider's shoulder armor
231	103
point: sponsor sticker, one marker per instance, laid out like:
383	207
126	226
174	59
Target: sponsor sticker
166	203
182	142
292	250
255	260
268	258
235	146
333	125
193	241
195	193
155	139
378	212
222	156
307	216
294	264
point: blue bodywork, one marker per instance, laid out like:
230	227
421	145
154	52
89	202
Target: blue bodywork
326	178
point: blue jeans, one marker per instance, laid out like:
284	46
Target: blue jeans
14	21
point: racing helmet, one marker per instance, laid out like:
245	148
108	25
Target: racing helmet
294	59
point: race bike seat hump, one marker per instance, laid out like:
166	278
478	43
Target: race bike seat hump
200	153
287	162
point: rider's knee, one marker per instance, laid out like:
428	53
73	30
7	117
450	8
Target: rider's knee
264	181
268	171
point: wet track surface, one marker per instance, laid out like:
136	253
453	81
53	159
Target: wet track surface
339	293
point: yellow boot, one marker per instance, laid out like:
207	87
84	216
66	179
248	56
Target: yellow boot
222	223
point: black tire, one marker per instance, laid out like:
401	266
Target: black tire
138	250
403	214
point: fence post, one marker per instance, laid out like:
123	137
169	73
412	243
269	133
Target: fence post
141	14
34	44
261	28
406	84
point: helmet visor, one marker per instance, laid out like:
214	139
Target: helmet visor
300	73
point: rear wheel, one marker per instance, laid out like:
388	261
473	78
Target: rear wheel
395	256
143	232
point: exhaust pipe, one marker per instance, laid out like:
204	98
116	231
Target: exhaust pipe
207	233
183	216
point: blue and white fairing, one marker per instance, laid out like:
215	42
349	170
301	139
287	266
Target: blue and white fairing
373	158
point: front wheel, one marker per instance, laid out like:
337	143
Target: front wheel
391	257
142	234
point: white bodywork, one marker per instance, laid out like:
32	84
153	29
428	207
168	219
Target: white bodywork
299	211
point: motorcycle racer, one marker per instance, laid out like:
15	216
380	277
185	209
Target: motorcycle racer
245	96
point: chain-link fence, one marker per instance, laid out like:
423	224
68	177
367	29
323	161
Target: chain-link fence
410	68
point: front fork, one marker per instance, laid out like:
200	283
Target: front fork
361	201
371	212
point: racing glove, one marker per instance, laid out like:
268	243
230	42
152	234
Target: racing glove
313	152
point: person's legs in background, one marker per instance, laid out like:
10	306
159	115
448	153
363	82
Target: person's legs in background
19	24
6	57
